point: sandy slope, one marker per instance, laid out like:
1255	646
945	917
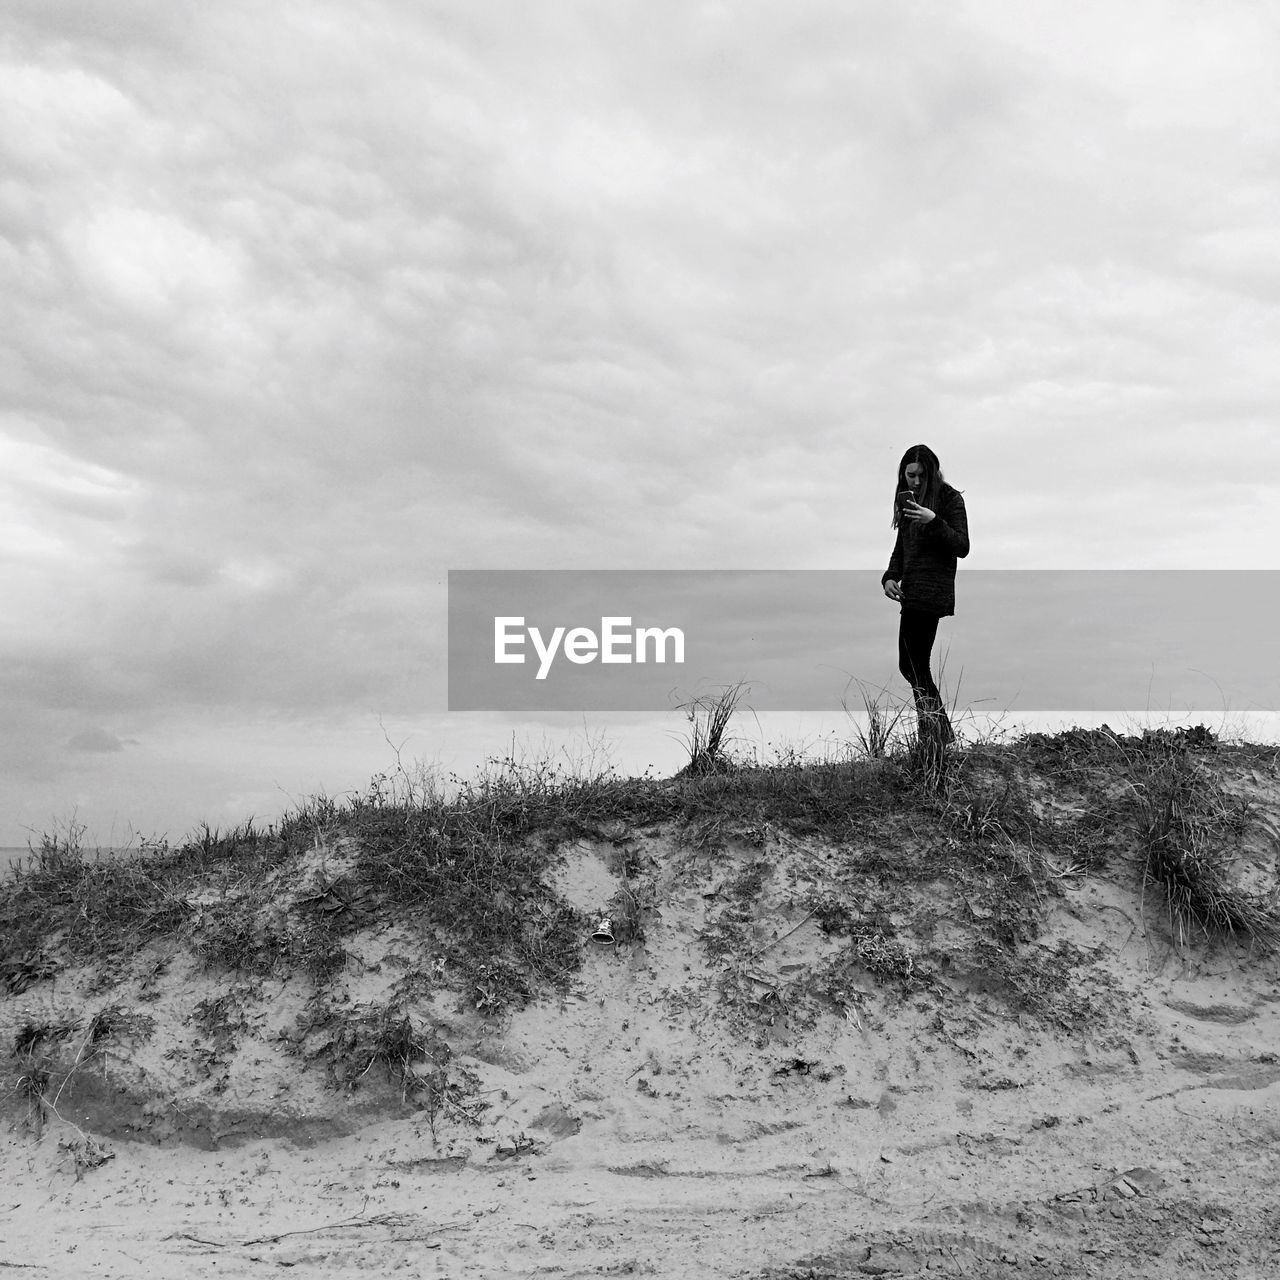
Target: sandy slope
678	1115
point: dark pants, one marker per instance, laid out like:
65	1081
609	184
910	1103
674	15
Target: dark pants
916	634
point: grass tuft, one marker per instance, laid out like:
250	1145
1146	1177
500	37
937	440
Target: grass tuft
709	717
1154	787
882	714
1189	831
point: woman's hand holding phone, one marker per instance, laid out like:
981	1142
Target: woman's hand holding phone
912	510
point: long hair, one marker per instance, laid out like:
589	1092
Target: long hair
933	482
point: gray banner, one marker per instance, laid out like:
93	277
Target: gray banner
619	640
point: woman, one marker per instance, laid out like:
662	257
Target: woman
933	532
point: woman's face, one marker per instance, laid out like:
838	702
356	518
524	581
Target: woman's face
913	473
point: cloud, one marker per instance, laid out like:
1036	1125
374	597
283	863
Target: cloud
97	741
151	261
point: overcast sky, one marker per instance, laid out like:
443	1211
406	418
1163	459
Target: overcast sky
307	303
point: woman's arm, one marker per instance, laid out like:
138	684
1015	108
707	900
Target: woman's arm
894	570
951	524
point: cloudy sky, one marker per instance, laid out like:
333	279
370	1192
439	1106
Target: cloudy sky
307	303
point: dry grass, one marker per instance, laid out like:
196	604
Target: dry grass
1190	833
883	716
709	716
1156	791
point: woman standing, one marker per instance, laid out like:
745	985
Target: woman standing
933	532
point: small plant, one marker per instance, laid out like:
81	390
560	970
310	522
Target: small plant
882	716
1187	829
1060	986
870	952
31	1048
886	959
516	1146
58	849
396	1045
86	1153
33	1035
833	914
115	1023
709	716
418	1060
220	1018
210	845
314	949
229	935
18	972
32	1085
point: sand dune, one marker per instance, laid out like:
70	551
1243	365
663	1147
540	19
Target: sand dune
945	1033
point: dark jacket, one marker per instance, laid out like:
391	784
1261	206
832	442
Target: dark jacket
924	556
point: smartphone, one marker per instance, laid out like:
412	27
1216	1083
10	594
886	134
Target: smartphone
905	496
